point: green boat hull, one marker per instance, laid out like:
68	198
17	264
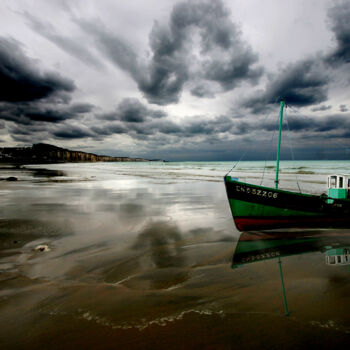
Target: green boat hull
259	208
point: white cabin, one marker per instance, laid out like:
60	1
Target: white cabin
338	187
339	181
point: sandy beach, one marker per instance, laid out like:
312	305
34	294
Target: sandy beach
142	259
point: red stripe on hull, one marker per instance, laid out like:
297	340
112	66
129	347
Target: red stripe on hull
248	224
293	233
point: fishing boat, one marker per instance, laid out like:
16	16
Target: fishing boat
257	207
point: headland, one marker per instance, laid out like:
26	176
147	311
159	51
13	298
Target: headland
42	153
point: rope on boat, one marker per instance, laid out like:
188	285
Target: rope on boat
289	142
263	174
234	165
244	154
291	149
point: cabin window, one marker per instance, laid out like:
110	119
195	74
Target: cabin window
348	182
339	259
331	259
341	182
332	182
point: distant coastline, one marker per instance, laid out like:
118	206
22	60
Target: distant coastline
42	153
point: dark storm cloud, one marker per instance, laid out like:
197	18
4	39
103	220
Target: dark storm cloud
166	72
28	130
48	115
198	127
20	80
224	58
24	139
343	108
301	84
203	126
57	115
70	45
339	17
29	133
169	127
192	127
32	99
80	108
109	129
136	120
27	113
225	125
321	108
107	116
306	82
161	82
298	123
72	132
202	91
117	51
197	133
131	110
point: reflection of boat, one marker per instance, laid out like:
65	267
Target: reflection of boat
258	246
259	208
338	256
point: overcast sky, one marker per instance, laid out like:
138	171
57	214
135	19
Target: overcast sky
177	80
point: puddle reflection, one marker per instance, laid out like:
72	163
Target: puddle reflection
164	241
258	246
274	245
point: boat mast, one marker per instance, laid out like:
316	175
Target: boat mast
279	143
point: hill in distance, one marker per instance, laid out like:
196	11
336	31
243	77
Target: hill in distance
44	153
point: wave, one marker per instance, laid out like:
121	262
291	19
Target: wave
305	172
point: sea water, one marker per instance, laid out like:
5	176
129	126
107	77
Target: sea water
301	176
210	170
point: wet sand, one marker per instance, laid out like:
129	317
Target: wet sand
144	262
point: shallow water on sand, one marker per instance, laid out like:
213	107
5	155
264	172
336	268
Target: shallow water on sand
140	253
